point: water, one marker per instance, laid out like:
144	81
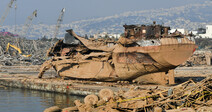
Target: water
22	100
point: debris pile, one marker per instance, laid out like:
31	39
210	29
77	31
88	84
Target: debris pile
197	59
35	48
188	96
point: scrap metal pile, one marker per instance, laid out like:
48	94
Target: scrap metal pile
35	48
188	96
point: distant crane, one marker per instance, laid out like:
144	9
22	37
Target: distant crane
15	15
3	17
59	21
28	23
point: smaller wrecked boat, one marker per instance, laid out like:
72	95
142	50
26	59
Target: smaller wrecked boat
143	49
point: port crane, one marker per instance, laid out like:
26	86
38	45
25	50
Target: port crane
59	21
28	23
3	17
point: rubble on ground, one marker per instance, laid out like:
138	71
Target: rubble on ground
187	97
197	59
36	48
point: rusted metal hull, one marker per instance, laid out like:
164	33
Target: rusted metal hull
129	62
143	50
162	59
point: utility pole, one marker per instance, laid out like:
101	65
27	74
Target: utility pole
3	17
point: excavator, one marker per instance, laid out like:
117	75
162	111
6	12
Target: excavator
18	49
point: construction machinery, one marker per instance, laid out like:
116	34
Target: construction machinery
16	48
143	51
28	23
3	17
59	21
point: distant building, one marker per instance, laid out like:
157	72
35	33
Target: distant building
95	36
116	36
105	34
183	31
201	31
194	32
5	33
208	32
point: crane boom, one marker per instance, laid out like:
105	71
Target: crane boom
3	17
28	23
18	49
59	21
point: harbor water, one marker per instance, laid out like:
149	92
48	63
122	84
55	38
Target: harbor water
22	100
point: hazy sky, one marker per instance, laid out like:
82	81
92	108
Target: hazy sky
49	10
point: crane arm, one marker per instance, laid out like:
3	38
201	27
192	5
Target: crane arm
59	21
28	23
3	17
16	48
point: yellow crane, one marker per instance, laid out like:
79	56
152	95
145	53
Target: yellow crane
16	48
3	17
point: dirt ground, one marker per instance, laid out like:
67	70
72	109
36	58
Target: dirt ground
182	74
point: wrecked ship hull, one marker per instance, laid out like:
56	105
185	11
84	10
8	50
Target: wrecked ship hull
162	59
129	62
142	50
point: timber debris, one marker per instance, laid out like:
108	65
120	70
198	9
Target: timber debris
188	96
